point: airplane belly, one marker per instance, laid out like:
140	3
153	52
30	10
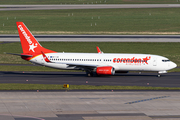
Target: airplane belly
132	67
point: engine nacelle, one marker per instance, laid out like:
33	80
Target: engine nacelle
105	70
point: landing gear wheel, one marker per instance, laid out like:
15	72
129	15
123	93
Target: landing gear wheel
91	74
159	75
88	74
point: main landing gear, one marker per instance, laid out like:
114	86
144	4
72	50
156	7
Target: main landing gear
90	73
158	75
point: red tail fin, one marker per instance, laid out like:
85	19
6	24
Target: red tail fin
29	43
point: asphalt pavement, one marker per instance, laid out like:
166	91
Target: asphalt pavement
84	6
97	38
80	78
126	105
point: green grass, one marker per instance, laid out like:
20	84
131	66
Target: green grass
89	1
14	86
169	50
108	21
175	70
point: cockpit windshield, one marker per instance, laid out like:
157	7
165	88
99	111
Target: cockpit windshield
166	60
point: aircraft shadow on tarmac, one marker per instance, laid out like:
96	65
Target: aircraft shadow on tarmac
76	74
44	73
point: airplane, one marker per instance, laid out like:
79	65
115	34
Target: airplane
93	63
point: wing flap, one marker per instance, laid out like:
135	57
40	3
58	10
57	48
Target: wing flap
79	65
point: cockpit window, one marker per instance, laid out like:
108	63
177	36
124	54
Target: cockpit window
166	60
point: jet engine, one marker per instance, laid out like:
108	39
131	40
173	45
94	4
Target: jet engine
105	70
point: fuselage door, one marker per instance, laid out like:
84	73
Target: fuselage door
42	60
154	61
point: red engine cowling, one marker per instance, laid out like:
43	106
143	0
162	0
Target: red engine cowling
105	70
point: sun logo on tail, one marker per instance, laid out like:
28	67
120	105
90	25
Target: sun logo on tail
31	47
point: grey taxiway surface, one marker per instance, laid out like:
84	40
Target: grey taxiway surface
80	78
97	38
84	6
127	105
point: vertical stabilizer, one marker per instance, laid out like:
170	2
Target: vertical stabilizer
29	43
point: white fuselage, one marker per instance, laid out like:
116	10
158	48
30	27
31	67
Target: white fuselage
121	62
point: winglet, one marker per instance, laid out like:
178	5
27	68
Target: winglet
45	57
98	50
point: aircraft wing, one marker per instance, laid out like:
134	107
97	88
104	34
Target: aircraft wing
78	65
70	64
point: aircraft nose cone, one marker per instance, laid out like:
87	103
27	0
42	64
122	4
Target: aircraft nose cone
173	65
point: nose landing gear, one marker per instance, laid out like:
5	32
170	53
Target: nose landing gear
161	72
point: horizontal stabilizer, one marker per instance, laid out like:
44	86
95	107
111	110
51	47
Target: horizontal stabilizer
24	55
